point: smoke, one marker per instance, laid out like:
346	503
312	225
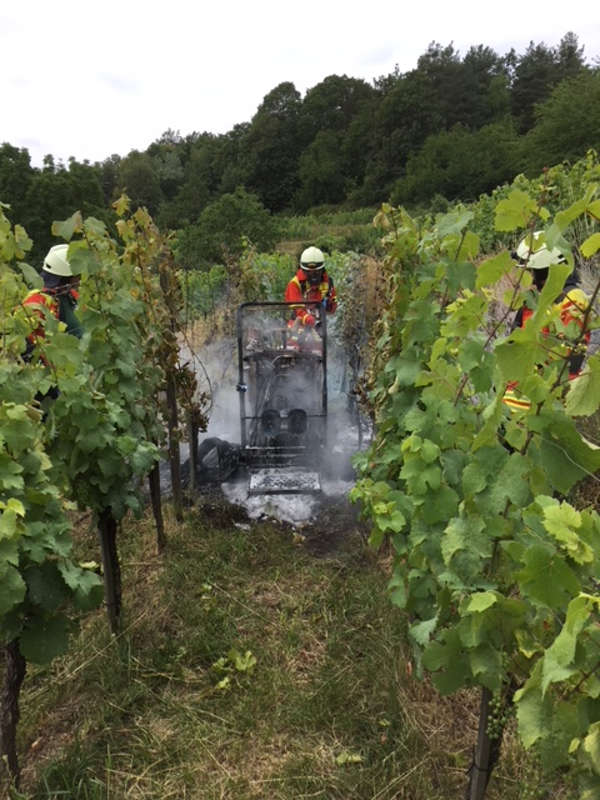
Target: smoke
216	370
217	373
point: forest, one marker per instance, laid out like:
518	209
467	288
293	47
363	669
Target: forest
454	127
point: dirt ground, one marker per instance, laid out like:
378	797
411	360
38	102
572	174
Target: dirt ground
335	527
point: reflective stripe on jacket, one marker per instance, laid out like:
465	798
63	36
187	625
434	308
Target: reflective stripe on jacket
572	308
299	290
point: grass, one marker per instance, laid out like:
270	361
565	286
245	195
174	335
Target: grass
255	662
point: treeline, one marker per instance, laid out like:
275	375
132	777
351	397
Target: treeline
453	127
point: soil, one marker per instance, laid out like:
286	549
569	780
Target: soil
334	528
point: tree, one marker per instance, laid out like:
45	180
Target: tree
538	71
273	148
139	181
109	178
16	173
55	193
335	131
460	164
332	105
485	82
198	184
87	194
567	124
236	158
441	92
219	234
321	171
570	57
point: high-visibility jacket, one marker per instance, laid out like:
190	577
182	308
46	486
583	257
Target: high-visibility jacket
61	305
572	307
299	290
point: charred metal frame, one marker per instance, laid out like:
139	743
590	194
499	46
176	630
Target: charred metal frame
269	364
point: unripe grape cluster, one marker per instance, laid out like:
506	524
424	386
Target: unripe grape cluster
499	712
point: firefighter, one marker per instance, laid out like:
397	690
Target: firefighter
312	284
58	297
534	255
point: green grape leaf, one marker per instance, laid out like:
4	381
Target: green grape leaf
66	228
453	223
44	638
486	665
526	643
480	601
472	354
421	631
562	522
421	477
83	261
459	535
566	456
9	552
397	591
510	484
8	523
86	585
22	241
406	372
12	588
31	275
518	355
515	211
448	661
547	578
440	505
591	245
453	464
474	479
566	216
94	226
492	269
461	275
534	711
561	653
45	585
429	451
583	397
591	745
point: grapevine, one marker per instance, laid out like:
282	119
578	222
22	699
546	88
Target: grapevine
494	568
91	439
41	587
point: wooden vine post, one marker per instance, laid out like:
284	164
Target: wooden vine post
107	530
14	675
165	272
479	773
155	499
193	437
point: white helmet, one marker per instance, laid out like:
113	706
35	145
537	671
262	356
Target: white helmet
534	254
312	258
56	262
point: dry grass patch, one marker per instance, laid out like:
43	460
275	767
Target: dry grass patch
325	707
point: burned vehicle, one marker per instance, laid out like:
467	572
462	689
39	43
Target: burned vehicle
282	389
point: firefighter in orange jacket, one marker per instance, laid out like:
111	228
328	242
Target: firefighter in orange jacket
572	304
58	296
311	284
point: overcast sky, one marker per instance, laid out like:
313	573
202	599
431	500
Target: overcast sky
92	79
